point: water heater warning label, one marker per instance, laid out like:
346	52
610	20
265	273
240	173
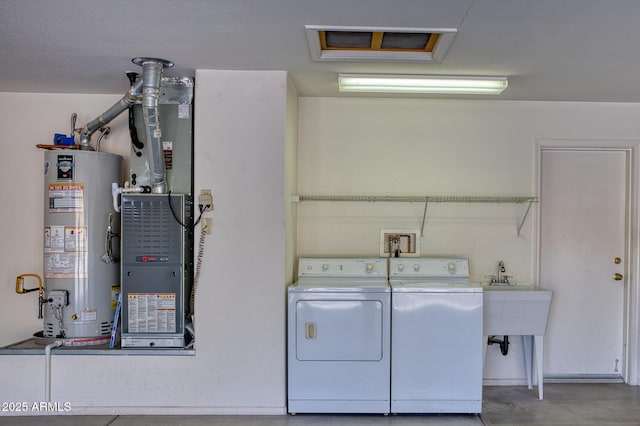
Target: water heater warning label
152	312
65	251
66	197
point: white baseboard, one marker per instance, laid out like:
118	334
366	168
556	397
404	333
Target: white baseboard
504	382
157	411
583	378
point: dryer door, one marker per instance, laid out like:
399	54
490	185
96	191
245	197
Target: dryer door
339	330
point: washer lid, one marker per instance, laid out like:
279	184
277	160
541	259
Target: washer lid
339	286
434	287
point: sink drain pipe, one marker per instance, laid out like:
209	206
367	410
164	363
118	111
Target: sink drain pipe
47	368
504	343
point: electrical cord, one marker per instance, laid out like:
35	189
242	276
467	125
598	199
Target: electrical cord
201	207
133	132
196	275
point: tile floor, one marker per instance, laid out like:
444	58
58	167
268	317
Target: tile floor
564	404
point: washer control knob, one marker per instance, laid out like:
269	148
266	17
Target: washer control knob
369	267
451	267
416	267
325	266
400	267
309	267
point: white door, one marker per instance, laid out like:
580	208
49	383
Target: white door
583	199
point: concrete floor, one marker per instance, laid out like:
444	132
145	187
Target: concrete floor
564	404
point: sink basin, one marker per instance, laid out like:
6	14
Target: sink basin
516	310
519	310
524	287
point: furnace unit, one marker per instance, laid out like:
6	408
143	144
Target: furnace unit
155	269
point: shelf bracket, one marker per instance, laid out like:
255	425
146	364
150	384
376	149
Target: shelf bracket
424	217
524	218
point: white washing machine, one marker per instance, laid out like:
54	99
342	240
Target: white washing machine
436	337
339	314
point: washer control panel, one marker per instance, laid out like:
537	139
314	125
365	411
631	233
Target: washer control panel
342	268
429	268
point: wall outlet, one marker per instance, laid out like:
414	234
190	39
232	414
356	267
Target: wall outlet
205	225
405	243
205	199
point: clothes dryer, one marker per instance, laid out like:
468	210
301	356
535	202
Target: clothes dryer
436	337
339	337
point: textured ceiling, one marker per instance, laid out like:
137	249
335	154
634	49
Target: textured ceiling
558	50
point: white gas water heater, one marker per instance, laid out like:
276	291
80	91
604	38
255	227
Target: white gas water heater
81	276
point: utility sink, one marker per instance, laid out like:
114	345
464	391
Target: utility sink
516	310
512	310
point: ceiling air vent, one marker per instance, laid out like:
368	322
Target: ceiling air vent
378	44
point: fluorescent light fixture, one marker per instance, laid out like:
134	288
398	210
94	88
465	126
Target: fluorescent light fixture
398	83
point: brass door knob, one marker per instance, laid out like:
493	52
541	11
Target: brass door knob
617	276
617	260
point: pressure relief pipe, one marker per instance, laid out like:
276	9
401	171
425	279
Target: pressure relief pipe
116	191
151	75
47	368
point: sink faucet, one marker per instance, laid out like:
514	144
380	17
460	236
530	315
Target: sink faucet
501	279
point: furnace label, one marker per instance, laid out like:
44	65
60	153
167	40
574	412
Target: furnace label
152	312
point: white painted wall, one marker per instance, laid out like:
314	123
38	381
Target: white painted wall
291	181
241	134
351	146
245	136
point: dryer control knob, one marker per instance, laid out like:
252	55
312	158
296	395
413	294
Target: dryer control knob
325	266
369	267
416	267
309	267
451	267
400	267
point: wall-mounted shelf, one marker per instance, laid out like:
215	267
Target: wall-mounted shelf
426	199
